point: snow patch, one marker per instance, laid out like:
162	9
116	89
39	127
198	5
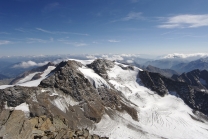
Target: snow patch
27	78
84	62
94	78
33	83
63	102
37	82
5	86
23	107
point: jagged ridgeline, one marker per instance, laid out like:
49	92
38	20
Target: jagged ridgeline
68	94
89	99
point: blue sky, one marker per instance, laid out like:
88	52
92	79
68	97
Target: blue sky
34	27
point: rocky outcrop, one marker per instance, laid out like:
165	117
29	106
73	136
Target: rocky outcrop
192	96
14	124
100	66
126	67
154	82
15	96
195	78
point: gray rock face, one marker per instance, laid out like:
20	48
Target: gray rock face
192	96
195	78
154	82
14	96
100	66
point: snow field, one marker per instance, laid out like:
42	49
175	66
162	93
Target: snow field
94	78
167	117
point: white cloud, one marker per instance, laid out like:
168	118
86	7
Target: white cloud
113	41
45	31
112	57
37	40
60	32
76	44
29	64
21	30
3	42
91	57
185	21
133	16
79	44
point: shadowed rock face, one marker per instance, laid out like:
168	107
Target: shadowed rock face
192	95
154	82
195	78
65	94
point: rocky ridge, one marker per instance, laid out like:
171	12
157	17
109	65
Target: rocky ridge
66	94
195	78
36	76
192	95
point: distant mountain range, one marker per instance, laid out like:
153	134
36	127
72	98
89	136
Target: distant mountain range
14	66
200	64
189	57
164	72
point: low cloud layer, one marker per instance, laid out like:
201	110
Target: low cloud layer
29	64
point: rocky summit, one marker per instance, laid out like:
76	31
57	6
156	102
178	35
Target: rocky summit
100	99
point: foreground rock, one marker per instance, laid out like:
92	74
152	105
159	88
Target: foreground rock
14	125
